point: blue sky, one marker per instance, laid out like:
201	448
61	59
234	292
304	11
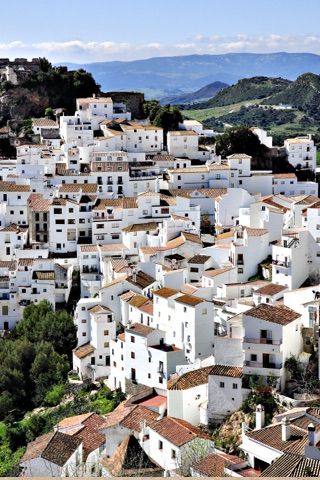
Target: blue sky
86	31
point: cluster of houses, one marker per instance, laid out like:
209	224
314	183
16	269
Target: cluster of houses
191	268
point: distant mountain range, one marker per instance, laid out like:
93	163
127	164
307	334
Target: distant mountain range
163	76
204	93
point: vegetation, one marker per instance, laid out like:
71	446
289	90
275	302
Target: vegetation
238	105
259	117
14	436
247	89
303	379
303	93
34	358
52	87
166	117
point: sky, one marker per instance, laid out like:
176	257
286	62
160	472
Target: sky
84	31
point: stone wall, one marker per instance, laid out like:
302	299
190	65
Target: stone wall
133	100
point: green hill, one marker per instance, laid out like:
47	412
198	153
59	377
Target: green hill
247	89
303	93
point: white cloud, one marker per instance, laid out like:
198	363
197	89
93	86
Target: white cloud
79	51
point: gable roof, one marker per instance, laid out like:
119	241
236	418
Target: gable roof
272	437
54	447
226	371
177	431
270	289
190	379
279	314
199	259
293	466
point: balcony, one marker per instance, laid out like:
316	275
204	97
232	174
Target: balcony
270	365
262	345
265	341
282	263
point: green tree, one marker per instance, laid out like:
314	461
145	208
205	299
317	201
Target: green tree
49	112
41	323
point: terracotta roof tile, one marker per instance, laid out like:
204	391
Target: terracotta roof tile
177	431
190	379
13	187
140	329
83	351
55	447
279	314
271	289
293	466
256	232
226	371
199	259
165	292
190	300
271	436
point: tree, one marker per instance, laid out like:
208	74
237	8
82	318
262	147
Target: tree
192	452
34	359
49	112
41	323
239	140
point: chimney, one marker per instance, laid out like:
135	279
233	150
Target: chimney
285	429
311	435
260	416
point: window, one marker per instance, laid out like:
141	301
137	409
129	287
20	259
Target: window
235	386
194	270
160	445
5	310
106	344
132	339
184	309
173	454
253	357
133	355
106	332
221	384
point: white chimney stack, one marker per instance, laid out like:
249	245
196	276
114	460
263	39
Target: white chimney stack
285	430
311	435
260	417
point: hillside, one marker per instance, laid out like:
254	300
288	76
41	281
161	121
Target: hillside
54	87
247	89
163	76
204	93
304	94
237	105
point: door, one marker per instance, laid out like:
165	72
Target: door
265	360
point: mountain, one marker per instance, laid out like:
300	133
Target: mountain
163	76
247	89
200	95
303	93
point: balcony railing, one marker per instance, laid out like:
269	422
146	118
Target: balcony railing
275	366
281	263
263	341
